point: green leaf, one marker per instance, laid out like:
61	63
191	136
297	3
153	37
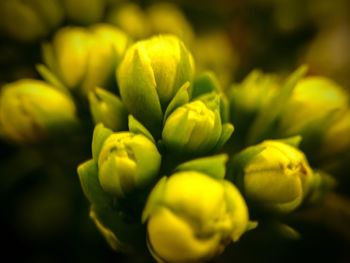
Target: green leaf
214	166
100	135
181	97
136	127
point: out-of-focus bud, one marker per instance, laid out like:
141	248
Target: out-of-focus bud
150	75
194	128
127	162
191	217
30	20
214	51
131	19
273	175
31	110
250	97
84	12
167	18
336	139
85	58
108	109
312	107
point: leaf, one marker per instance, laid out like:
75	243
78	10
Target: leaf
214	166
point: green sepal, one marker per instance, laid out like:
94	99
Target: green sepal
182	97
106	209
88	176
136	127
293	141
100	134
154	199
112	113
205	83
108	234
239	161
322	184
227	130
265	122
137	88
52	79
214	166
286	231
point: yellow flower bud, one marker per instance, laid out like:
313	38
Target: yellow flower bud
193	128
31	110
192	217
85	58
277	178
314	100
29	20
167	18
127	162
149	76
84	12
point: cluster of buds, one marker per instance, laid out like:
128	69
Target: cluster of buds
159	176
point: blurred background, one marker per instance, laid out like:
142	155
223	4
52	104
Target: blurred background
44	215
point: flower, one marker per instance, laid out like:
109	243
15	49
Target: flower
191	217
32	110
127	162
149	76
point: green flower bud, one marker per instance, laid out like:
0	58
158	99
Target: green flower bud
85	58
127	162
195	128
249	98
84	12
149	76
167	18
31	110
315	101
29	20
277	177
131	19
191	217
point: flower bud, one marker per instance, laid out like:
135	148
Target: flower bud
191	217
85	58
149	76
130	18
277	177
29	20
31	110
167	18
314	103
84	12
336	139
193	128
127	162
